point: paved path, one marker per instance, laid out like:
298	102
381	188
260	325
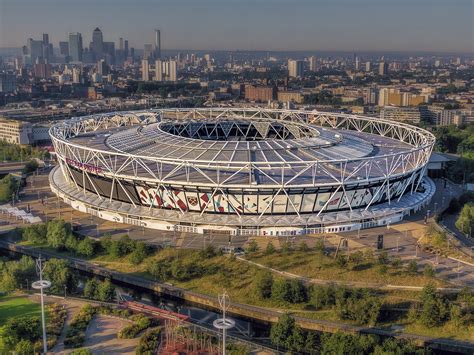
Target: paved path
101	336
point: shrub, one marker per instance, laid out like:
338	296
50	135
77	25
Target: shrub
75	334
412	267
263	284
270	249
252	247
149	342
141	322
428	270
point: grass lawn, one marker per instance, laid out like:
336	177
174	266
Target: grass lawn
317	266
17	306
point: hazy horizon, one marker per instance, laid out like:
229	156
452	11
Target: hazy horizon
416	26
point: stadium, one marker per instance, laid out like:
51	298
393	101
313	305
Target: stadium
242	171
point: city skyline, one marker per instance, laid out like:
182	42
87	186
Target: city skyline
422	26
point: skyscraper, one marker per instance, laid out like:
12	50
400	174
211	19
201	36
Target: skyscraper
64	48
312	63
295	68
383	68
102	67
157	44
158	70
35	50
75	46
147	51
145	70
173	70
367	66
97	44
357	63
126	48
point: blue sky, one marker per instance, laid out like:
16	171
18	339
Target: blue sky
346	25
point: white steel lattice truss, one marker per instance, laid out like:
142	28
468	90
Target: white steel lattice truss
220	175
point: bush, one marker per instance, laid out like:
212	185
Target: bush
86	247
149	342
141	322
270	249
35	233
303	247
139	253
292	291
75	334
263	284
428	270
252	247
412	267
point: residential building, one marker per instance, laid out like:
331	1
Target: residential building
295	68
260	93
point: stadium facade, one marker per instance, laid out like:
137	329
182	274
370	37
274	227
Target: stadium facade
242	170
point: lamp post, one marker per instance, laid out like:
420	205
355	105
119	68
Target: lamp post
42	285
224	323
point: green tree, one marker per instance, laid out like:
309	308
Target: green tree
106	291
86	247
58	272
71	243
14	273
281	333
341	343
8	186
58	231
465	221
90	288
281	290
434	310
139	253
263	284
298	292
35	233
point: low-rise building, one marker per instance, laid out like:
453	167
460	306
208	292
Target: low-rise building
260	93
290	96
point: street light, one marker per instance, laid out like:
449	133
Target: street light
42	285
224	323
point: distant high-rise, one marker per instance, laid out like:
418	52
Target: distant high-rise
97	44
75	46
157	44
173	70
121	43
35	50
145	70
147	51
383	68
367	66
102	67
313	63
125	48
64	48
295	68
158	70
357	63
